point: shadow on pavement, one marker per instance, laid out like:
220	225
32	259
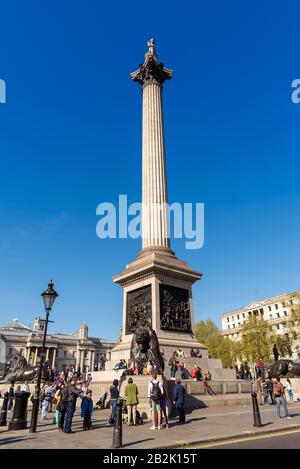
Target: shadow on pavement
137	442
13	439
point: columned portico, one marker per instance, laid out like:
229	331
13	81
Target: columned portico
35	356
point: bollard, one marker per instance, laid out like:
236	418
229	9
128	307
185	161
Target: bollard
256	414
3	415
19	421
117	434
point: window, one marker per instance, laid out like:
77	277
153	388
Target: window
285	313
291	302
228	326
243	315
233	325
238	316
276	306
232	318
270	316
65	353
227	319
277	326
261	311
239	324
283	304
270	308
250	313
278	315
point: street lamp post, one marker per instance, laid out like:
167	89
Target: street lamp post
49	296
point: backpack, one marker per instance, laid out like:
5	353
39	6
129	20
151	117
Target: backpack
156	392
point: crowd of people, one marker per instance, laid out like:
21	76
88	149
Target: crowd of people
60	392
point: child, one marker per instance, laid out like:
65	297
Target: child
87	410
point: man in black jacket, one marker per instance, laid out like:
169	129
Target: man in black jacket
73	393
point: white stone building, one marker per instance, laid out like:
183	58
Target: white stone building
276	310
62	350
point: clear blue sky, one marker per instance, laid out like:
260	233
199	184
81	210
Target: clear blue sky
70	138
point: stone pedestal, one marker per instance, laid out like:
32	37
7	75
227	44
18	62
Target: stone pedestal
158	291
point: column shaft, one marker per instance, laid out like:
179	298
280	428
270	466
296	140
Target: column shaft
155	217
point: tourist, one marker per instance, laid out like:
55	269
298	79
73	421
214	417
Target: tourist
18	390
179	397
207	376
101	363
155	393
163	405
264	391
84	388
78	372
73	393
280	399
101	403
275	353
289	390
261	367
196	373
11	395
150	368
258	383
46	399
25	387
183	371
114	395
62	406
89	379
247	371
192	353
269	383
131	396
34	394
87	407
173	367
56	400
70	376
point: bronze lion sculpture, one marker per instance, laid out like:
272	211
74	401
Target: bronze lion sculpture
284	368
145	347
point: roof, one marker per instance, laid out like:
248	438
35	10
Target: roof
16	325
261	303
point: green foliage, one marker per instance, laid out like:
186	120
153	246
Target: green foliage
207	333
257	339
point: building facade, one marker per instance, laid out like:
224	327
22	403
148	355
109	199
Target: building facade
62	350
276	310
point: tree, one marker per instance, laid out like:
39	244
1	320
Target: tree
257	339
208	334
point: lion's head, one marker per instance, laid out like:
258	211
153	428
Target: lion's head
142	339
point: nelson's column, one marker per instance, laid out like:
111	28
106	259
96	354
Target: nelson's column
157	285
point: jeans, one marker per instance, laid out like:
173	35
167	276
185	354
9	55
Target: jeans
181	412
281	400
173	372
69	417
113	406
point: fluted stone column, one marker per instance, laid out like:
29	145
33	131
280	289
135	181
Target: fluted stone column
54	358
155	218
